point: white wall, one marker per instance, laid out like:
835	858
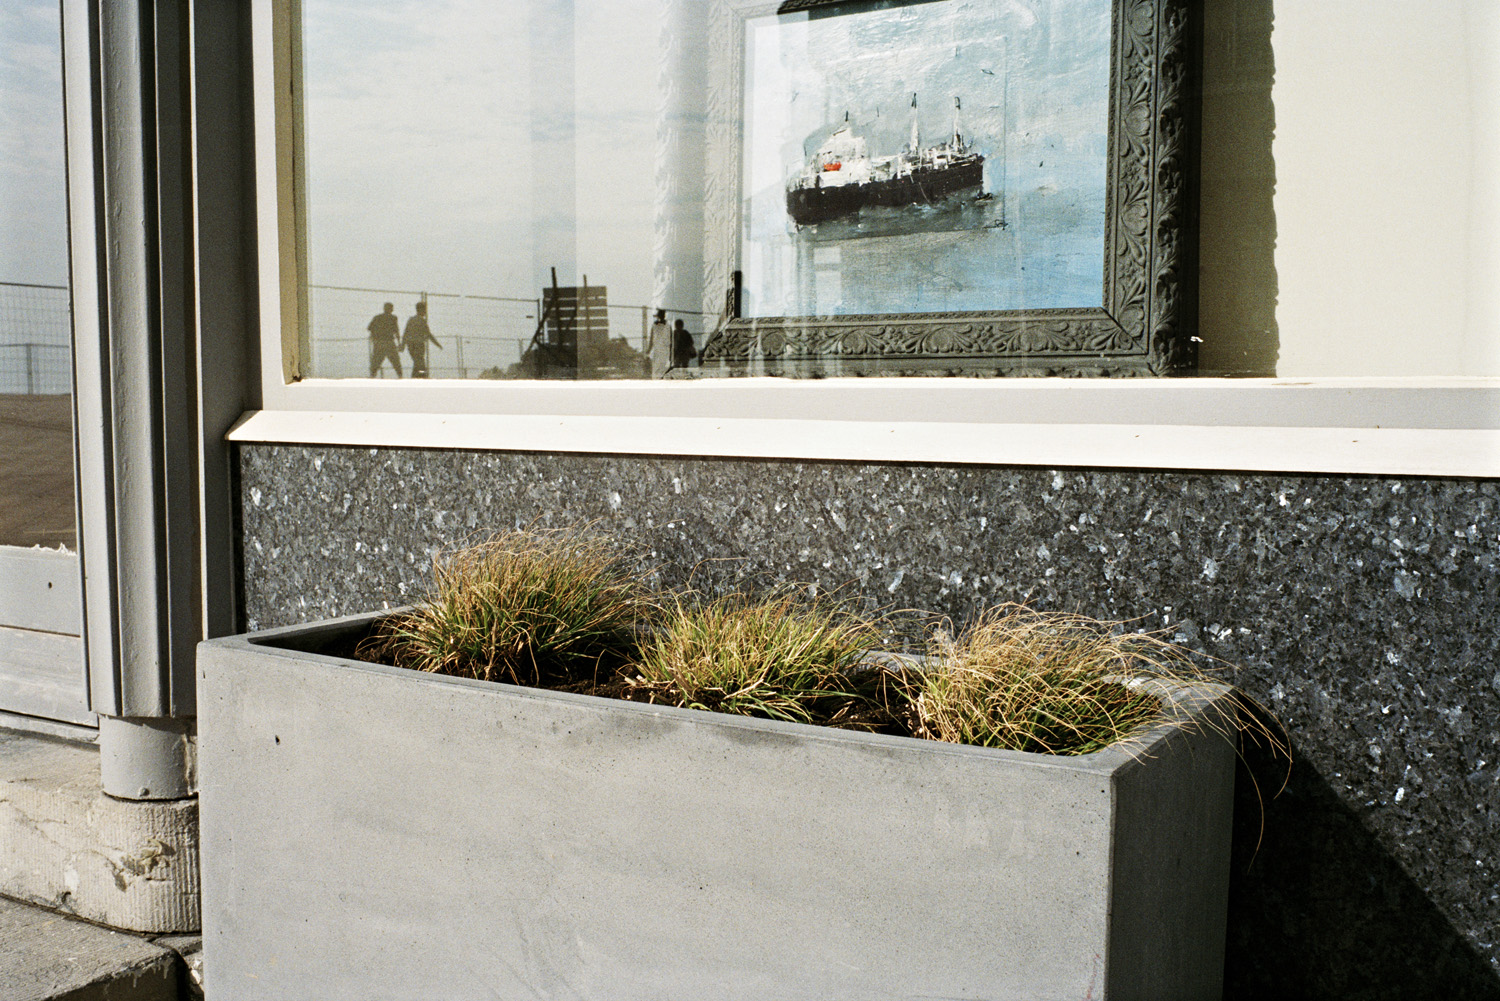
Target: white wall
1387	200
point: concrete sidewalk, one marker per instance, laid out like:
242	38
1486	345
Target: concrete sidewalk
48	957
66	846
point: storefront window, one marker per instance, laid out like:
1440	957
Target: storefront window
622	189
639	189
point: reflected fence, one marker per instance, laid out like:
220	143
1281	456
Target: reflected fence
35	333
482	336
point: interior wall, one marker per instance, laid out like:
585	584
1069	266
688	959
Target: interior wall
1481	39
1385	199
1350	189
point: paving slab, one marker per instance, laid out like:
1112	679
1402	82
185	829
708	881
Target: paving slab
48	957
189	949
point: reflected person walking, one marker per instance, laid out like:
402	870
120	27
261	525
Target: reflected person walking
417	337
385	340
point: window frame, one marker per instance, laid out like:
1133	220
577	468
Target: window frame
1429	426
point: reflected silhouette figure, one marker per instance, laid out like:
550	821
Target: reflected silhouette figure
417	337
683	350
385	340
659	345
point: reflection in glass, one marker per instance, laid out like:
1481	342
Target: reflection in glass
36	411
592	188
485	194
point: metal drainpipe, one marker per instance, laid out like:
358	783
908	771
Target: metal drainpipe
148	758
153	403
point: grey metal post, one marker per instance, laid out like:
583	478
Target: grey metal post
153	401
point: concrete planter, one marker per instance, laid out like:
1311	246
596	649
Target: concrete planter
372	832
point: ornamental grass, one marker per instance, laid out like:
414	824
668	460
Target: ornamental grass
1048	682
546	608
789	656
573	611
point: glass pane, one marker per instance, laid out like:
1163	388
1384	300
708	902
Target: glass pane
456	161
561	183
594	188
36	409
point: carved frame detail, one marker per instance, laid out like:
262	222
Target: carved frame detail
1147	321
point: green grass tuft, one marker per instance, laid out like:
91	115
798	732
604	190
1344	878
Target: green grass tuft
1047	682
784	657
569	610
547	608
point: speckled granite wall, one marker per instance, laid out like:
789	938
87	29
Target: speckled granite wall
1363	610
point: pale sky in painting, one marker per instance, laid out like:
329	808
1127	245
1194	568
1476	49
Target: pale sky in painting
1033	78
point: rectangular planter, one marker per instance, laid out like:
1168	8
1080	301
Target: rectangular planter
373	832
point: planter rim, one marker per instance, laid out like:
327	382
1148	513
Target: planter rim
1185	701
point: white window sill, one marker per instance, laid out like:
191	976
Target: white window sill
1442	427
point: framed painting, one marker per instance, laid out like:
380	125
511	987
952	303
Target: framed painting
965	187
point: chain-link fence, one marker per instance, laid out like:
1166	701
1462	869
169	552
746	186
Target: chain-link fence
480	335
35	330
476	332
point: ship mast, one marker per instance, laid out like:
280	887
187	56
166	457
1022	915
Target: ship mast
958	139
916	137
1004	127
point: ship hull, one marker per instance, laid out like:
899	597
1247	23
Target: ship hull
809	205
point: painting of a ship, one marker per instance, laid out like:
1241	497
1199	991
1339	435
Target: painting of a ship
842	177
847	208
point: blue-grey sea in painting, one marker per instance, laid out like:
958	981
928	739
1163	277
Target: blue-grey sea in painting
1025	83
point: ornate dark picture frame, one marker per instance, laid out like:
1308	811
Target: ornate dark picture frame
1146	323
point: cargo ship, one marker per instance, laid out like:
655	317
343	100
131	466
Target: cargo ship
842	177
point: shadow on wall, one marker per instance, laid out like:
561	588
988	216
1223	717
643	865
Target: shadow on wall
1321	910
1237	281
